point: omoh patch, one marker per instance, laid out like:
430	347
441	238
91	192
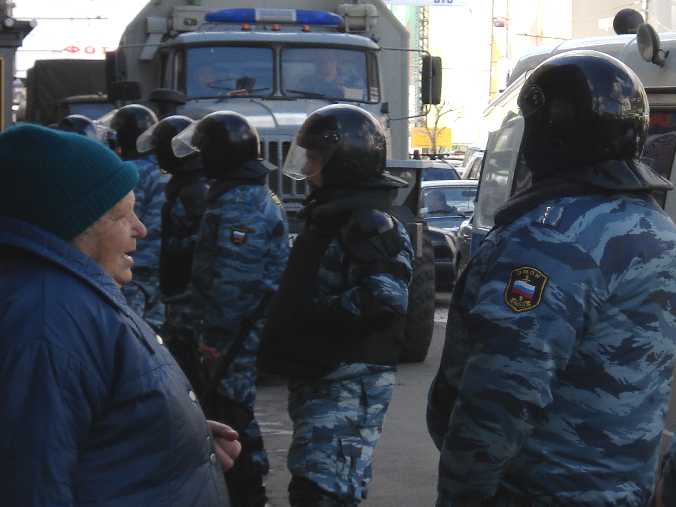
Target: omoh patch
525	288
239	235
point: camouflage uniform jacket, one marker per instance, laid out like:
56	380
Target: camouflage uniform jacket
143	294
357	293
241	253
556	370
150	198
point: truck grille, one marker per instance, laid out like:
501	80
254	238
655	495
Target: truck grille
287	189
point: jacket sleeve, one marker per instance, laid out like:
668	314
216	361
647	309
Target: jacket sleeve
45	415
515	355
228	273
378	285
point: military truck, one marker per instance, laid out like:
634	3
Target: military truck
265	63
57	88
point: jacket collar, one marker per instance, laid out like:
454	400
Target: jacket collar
27	237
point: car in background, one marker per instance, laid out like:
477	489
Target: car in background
472	170
444	206
432	169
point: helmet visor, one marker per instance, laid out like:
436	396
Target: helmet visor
302	163
105	134
182	144
144	143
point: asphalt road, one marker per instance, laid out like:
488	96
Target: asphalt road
405	460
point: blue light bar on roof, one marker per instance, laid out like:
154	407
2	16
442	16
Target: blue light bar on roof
288	16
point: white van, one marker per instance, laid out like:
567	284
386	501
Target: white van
653	60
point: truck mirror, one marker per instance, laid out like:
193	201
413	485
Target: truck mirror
648	43
166	101
125	91
431	80
627	21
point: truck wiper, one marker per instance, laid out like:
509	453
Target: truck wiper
313	95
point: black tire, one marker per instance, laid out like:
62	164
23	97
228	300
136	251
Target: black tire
421	306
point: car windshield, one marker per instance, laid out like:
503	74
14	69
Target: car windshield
449	201
440	173
326	73
226	71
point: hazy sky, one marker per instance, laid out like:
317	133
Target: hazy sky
72	24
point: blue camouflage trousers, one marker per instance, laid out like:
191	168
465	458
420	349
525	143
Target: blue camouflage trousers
337	421
239	384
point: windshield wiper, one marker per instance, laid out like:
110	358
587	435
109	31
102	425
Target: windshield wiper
314	95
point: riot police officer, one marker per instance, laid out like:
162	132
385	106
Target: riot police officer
182	212
336	324
241	252
79	124
556	370
143	293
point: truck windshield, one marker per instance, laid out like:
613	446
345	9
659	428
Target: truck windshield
228	71
328	73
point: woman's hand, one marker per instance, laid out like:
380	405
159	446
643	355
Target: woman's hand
226	443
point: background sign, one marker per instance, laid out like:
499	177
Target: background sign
420	138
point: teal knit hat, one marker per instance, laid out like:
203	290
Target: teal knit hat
58	181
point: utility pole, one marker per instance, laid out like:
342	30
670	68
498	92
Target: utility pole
423	45
492	64
6	7
12	33
646	10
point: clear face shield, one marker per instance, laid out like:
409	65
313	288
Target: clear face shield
144	143
182	144
302	163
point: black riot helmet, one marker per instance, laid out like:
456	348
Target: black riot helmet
79	124
225	139
582	108
346	144
157	139
128	123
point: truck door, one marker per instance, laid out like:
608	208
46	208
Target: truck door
497	182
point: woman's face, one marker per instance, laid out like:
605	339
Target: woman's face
112	239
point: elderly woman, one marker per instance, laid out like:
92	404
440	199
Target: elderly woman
94	409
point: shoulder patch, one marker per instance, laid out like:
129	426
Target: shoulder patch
240	234
525	288
551	216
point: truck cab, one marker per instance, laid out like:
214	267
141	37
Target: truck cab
275	79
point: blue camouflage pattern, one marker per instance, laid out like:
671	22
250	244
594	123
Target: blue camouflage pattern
184	224
241	252
563	402
338	418
143	293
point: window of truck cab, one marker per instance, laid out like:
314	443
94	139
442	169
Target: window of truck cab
226	71
330	73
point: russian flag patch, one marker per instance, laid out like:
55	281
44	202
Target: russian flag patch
525	288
